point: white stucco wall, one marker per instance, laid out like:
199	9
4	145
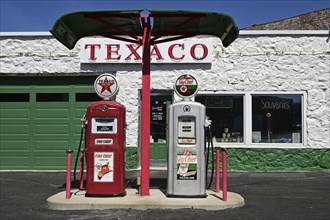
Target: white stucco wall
258	61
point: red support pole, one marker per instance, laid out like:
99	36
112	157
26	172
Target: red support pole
217	170
224	174
81	180
68	173
145	142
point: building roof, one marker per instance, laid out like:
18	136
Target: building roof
316	20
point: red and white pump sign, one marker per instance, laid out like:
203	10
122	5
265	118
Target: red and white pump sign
106	86
104	166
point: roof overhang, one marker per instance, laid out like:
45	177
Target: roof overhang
126	25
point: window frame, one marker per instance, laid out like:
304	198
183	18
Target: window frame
247	119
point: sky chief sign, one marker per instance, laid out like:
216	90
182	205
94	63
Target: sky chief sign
103	50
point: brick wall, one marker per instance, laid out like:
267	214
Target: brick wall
317	20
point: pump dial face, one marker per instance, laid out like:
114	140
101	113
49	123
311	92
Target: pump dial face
106	86
186	86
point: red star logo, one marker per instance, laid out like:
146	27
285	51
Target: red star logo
106	84
183	89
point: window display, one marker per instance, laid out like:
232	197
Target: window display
276	118
226	113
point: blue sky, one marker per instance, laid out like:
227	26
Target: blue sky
40	15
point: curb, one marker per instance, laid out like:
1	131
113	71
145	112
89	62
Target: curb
156	200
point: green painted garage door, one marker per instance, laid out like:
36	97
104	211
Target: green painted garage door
39	122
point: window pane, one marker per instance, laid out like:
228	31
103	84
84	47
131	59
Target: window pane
87	97
52	97
14	97
226	113
276	119
158	107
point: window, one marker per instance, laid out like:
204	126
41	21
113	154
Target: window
52	97
226	114
87	97
276	119
158	119
14	97
272	119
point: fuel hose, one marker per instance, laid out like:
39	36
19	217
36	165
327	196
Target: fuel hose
76	162
209	147
83	124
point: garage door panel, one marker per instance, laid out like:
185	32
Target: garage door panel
52	114
77	129
13	114
53	129
57	166
51	145
49	160
77	142
39	121
14	145
14	129
79	113
14	162
14	159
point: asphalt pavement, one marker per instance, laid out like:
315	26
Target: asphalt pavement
278	196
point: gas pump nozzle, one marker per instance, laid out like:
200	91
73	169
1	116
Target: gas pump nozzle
83	121
208	122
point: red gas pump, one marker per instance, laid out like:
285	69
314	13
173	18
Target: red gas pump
105	142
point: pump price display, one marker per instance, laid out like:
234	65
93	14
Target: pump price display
186	130
104	125
104	128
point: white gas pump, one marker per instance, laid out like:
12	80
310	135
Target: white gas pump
186	140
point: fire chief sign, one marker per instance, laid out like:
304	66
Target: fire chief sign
104	166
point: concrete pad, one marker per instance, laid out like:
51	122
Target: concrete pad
156	200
